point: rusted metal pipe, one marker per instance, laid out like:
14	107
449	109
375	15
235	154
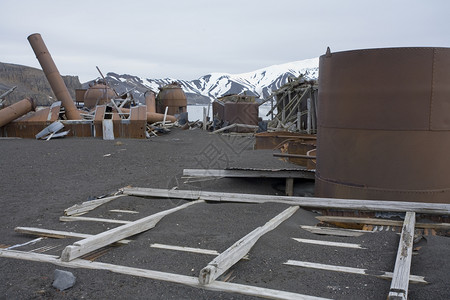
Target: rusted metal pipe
16	110
53	76
153	117
150	101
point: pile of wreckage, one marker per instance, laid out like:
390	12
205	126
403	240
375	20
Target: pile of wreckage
97	112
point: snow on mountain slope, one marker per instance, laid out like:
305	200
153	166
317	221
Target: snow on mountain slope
259	83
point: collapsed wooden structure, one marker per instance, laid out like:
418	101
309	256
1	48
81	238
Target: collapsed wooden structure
72	255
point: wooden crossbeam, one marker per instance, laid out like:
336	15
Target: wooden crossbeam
400	279
298	173
88	205
57	234
363	205
113	235
157	275
334	231
327	243
238	250
381	222
380	274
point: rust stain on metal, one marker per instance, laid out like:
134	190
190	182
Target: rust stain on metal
380	122
53	76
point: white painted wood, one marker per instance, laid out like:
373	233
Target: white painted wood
368	205
89	219
185	249
113	235
380	222
88	205
334	231
327	243
380	274
58	234
157	275
236	252
225	128
400	279
108	129
165	116
124	211
250	173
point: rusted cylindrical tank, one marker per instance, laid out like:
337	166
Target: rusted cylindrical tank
54	78
98	94
16	110
173	97
384	125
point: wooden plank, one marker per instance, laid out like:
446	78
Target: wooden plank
124	211
185	249
162	276
327	243
298	173
334	231
400	279
379	274
88	219
57	234
108	129
113	235
88	205
382	222
236	252
364	205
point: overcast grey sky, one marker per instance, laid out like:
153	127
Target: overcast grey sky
188	39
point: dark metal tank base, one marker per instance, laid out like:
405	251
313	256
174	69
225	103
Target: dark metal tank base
384	125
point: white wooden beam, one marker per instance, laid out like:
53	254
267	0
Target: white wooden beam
400	279
300	173
113	235
365	205
381	222
90	219
88	205
163	276
380	274
327	243
334	231
238	250
57	233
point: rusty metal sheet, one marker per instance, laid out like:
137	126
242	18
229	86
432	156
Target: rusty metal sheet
270	140
384	125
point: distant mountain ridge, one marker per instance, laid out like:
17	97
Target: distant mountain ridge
259	83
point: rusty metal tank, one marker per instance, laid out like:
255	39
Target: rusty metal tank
16	110
98	94
384	125
173	97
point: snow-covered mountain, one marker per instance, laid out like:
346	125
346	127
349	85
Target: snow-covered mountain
259	83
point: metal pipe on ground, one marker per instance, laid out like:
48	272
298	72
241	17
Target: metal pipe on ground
53	76
153	117
16	110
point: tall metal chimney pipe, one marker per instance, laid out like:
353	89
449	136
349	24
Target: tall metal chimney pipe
16	110
53	76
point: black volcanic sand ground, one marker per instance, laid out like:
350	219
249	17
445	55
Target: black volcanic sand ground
42	178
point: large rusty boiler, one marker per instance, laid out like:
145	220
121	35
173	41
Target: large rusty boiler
54	78
173	97
384	125
98	94
16	110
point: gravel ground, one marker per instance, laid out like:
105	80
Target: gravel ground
42	178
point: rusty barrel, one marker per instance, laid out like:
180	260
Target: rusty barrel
384	125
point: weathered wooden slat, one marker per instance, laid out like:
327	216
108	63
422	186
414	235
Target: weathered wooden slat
88	205
382	222
89	219
307	174
157	275
380	274
113	235
57	234
364	205
334	231
327	243
238	250
400	279
185	249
